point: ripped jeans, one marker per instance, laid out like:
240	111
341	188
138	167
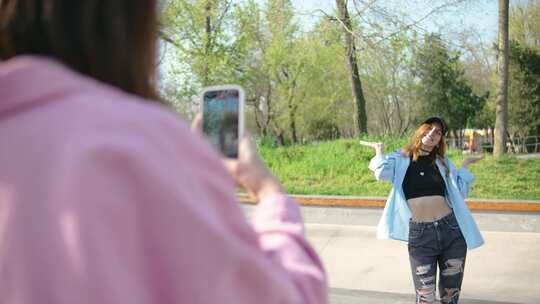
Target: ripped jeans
437	243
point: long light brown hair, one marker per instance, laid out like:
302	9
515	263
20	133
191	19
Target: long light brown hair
112	41
412	149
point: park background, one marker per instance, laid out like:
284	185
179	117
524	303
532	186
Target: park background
319	75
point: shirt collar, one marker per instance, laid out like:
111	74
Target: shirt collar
26	80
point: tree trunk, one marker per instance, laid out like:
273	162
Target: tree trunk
501	109
278	134
358	94
207	43
292	120
293	109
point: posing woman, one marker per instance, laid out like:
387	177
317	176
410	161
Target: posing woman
426	206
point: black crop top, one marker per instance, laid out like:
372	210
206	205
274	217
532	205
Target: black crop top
423	179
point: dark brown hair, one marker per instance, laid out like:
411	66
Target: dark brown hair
112	41
413	147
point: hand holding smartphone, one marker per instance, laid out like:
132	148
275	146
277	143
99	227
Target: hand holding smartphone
223	123
223	117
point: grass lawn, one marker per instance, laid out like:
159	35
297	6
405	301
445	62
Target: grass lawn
341	168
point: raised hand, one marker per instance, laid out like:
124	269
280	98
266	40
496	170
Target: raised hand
251	173
248	170
196	124
377	146
472	159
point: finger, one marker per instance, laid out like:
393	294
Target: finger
196	124
247	148
366	143
231	165
479	157
252	195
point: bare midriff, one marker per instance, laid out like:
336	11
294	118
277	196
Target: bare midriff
428	208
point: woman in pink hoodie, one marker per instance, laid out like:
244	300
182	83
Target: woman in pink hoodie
106	196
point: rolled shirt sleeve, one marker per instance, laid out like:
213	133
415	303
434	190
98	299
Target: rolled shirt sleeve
464	180
384	166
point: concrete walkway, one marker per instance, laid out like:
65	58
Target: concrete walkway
363	269
528	156
505	270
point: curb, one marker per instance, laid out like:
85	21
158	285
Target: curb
379	202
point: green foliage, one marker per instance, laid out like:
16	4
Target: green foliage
296	78
524	69
505	177
203	45
341	168
443	89
327	168
326	108
524	90
388	84
524	23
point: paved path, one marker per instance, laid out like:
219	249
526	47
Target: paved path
363	269
528	156
347	296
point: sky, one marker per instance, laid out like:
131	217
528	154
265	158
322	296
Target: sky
478	15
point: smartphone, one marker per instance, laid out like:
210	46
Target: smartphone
223	117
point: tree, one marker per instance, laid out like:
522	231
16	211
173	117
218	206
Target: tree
501	110
325	112
199	30
356	84
524	23
389	85
524	69
271	66
442	87
524	90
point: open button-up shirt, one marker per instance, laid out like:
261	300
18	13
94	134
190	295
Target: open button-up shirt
394	223
108	198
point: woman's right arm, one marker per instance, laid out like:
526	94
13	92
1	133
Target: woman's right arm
151	217
383	166
282	267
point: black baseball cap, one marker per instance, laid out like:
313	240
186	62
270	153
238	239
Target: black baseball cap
438	120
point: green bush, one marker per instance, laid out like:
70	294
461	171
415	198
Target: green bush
340	167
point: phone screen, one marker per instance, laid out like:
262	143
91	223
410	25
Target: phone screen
221	119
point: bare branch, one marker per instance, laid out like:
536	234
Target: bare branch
415	23
360	12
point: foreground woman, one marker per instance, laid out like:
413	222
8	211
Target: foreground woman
106	196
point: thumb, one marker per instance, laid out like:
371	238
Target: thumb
231	165
247	148
196	124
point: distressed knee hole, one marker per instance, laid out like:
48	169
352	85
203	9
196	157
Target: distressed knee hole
450	294
426	294
452	267
423	269
427	280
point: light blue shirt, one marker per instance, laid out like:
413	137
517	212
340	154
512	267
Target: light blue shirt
394	223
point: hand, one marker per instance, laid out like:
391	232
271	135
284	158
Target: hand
472	159
196	124
250	172
378	146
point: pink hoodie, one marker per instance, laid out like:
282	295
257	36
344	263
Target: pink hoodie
107	198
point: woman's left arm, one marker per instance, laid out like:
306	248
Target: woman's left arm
464	177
